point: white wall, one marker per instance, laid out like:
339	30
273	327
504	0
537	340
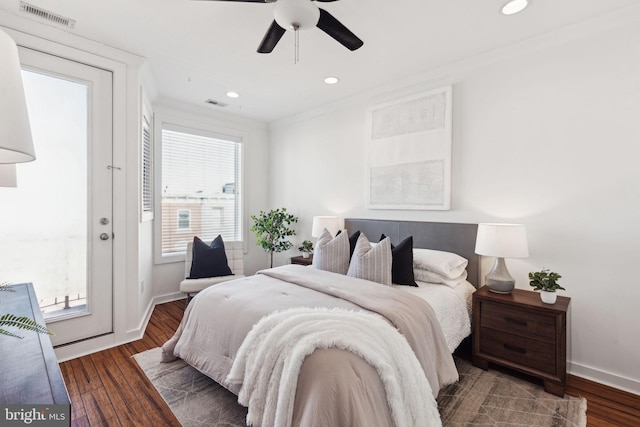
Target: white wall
546	134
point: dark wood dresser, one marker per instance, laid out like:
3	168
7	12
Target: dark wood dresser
29	371
521	332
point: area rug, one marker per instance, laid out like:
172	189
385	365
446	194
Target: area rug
480	398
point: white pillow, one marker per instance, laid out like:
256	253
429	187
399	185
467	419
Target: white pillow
331	253
371	261
431	277
447	264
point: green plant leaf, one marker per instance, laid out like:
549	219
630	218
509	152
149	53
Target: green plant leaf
272	229
21	322
545	280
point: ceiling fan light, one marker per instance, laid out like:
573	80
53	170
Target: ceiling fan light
514	6
302	14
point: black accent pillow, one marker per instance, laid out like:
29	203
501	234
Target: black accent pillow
402	262
353	239
209	261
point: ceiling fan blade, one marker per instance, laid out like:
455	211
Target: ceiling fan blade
335	29
271	38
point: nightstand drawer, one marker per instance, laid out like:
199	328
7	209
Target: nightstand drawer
518	321
521	350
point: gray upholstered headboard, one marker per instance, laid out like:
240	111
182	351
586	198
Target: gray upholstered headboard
450	237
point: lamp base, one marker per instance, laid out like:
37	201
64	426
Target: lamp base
499	280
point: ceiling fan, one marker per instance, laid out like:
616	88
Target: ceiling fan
297	15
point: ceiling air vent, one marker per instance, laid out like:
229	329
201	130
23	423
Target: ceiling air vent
46	15
216	103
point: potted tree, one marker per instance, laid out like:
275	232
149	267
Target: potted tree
546	282
272	229
306	247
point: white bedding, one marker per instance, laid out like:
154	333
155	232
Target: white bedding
451	305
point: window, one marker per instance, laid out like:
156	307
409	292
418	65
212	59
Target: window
184	219
200	187
147	168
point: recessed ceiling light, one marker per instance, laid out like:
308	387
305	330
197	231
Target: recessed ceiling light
331	80
232	94
514	6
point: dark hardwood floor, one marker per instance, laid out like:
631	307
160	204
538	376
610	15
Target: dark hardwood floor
109	389
606	406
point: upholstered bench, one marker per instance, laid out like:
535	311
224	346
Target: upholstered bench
235	260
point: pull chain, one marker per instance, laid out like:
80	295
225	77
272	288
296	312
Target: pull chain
296	44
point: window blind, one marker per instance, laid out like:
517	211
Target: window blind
147	168
200	175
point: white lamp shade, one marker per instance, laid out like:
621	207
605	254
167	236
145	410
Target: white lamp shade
322	222
502	240
16	145
8	176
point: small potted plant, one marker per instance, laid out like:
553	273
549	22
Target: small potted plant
306	247
546	282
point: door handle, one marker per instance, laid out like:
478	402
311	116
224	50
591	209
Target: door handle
104	236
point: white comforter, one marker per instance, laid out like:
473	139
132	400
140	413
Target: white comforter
336	387
452	307
269	361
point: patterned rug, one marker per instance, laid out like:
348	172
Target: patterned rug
480	398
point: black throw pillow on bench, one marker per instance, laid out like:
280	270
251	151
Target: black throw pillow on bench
209	260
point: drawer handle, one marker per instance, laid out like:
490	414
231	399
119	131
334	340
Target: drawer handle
515	348
516	321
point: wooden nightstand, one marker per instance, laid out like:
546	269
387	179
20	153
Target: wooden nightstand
520	332
302	260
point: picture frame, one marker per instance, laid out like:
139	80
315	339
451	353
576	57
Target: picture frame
409	152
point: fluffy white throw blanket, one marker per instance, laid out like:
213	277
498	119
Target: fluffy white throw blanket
269	361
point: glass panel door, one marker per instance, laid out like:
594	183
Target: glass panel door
52	223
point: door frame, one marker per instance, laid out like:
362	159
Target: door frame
98	318
129	318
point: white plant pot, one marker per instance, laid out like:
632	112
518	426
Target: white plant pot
305	254
548	297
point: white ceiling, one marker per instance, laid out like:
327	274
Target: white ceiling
202	49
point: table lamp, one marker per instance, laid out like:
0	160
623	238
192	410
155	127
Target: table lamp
16	144
322	222
501	241
8	176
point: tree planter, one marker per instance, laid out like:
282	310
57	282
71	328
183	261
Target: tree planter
548	297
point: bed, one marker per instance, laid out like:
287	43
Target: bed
306	347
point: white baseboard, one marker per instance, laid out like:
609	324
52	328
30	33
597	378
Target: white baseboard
86	347
160	299
83	348
606	378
